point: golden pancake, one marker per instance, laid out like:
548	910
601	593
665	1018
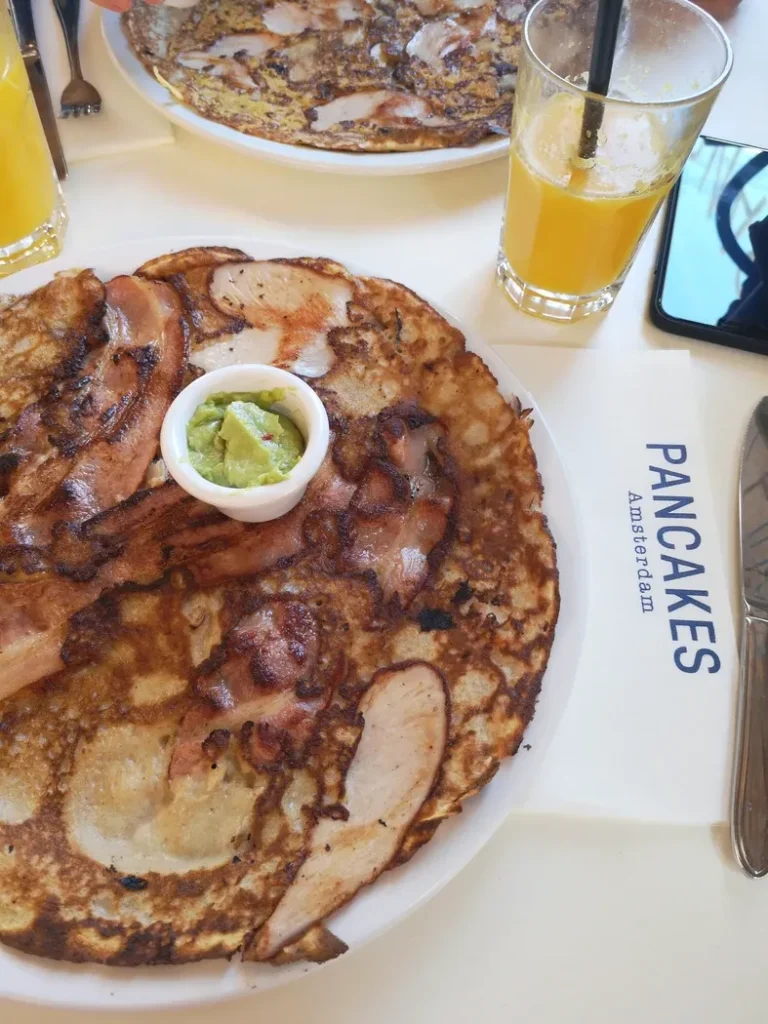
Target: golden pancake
218	732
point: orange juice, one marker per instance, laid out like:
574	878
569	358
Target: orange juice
572	226
27	184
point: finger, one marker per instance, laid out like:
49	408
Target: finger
119	6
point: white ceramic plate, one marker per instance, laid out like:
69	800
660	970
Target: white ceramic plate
147	86
397	892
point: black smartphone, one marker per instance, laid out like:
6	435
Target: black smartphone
712	271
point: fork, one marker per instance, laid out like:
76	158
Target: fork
79	97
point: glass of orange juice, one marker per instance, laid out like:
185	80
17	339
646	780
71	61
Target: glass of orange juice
32	212
576	214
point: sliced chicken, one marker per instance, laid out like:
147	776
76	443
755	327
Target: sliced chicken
436	39
513	10
300	57
394	767
243	45
236	74
380	105
250	345
224	58
301	303
287	18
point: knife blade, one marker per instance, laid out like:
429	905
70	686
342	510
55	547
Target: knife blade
21	11
749	812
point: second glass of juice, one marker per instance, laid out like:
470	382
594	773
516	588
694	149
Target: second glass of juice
576	213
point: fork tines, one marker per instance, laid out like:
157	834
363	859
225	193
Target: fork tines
78	109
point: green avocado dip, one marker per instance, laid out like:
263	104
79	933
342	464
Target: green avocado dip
235	440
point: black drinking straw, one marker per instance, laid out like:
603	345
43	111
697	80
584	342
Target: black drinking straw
601	64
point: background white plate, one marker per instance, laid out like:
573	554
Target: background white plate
397	892
147	85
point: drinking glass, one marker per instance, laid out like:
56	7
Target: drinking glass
32	212
573	224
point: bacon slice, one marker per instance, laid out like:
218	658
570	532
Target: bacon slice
124	544
394	767
137	542
260	685
402	509
44	338
311	304
248	551
396	546
117	420
394	527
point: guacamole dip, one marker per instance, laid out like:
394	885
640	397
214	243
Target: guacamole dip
236	441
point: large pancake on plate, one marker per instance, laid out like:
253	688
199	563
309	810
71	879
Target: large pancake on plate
247	723
366	75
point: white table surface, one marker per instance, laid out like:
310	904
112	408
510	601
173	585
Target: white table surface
558	920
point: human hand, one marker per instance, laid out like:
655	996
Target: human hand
719	8
120	5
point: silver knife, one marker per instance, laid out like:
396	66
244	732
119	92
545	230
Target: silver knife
25	30
749	813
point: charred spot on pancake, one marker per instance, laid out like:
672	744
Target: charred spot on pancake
434	618
338	812
463	593
91	632
133	883
355	443
216	743
8	462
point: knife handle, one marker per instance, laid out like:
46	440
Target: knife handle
21	13
749	818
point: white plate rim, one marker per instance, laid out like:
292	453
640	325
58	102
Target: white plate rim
398	893
329	161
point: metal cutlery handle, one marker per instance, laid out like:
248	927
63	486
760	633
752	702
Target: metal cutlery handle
21	13
749	818
69	16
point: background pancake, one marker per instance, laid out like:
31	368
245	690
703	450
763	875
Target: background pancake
367	75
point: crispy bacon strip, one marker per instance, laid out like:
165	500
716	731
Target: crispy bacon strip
137	542
122	545
246	552
136	380
391	524
260	686
402	510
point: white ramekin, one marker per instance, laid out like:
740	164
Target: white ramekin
248	504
